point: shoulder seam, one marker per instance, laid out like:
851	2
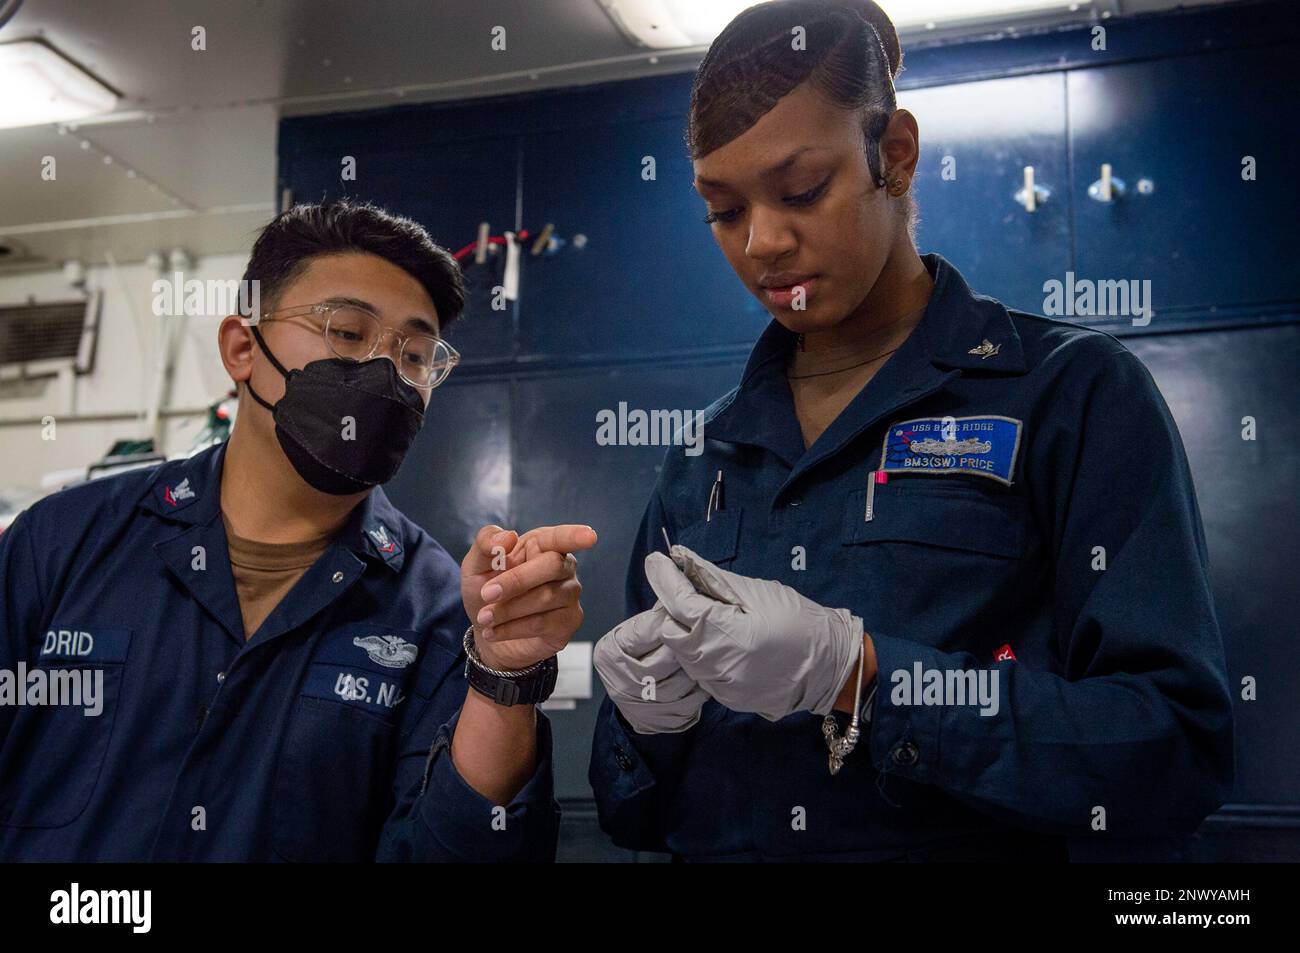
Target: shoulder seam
1044	319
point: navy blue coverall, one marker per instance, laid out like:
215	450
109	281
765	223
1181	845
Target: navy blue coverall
1037	519
325	737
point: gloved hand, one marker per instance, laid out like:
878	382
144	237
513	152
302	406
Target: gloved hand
753	644
634	651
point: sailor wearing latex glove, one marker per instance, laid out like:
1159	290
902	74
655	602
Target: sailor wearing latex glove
642	676
755	645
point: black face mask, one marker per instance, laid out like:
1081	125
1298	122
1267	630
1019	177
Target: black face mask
388	413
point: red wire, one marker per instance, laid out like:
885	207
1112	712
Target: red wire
492	240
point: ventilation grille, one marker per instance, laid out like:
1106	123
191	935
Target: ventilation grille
41	332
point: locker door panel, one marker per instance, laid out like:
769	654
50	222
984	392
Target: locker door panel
976	139
650	278
1203	236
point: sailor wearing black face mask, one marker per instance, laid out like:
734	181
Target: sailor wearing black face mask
311	418
285	658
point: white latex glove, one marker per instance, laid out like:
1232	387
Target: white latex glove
755	645
643	678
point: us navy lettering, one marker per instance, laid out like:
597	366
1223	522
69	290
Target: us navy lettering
357	688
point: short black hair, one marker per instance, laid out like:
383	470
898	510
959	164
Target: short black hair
296	236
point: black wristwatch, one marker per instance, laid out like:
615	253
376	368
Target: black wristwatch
528	686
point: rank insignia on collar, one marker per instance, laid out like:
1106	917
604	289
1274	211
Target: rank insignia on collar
385	544
181	491
985	350
175	496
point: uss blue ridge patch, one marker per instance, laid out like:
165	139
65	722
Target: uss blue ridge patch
983	446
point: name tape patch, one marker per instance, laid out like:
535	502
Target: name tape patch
88	644
983	446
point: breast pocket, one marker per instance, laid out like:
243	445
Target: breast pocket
941	563
54	752
334	779
717	538
948	515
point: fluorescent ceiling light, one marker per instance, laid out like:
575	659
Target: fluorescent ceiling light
40	87
664	24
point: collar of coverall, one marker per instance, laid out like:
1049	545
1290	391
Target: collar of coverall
189	492
956	322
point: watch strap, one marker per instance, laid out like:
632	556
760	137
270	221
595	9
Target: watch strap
530	686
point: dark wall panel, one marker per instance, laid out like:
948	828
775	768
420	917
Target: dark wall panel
650	279
562	475
1250	505
456	477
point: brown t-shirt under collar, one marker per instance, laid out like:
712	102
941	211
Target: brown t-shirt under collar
265	572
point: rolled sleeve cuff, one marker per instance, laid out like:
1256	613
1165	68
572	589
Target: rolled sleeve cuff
904	738
470	827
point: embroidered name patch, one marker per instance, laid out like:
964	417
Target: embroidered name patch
984	446
90	645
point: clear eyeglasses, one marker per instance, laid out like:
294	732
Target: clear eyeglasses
355	334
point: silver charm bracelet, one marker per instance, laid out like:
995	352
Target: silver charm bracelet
841	747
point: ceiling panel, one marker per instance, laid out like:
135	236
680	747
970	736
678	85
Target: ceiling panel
83	186
212	157
263	49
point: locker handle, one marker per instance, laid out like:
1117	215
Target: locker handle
1031	195
1108	188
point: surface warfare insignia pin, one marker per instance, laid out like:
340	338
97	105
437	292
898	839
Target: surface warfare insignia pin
390	651
986	349
386	545
983	446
